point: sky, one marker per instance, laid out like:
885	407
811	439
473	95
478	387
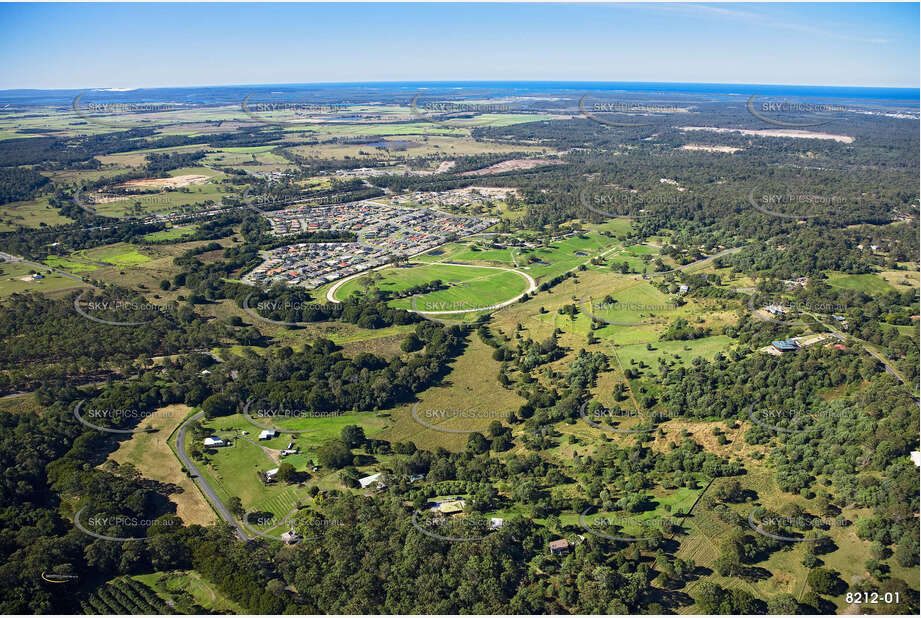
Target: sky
145	45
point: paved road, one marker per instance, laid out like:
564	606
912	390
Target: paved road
16	258
882	359
206	489
699	262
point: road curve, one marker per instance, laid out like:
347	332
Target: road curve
206	489
532	286
722	253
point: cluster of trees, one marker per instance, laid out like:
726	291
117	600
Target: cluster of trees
320	378
125	595
680	330
18	184
48	345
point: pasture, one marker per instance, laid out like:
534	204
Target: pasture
171	233
468	399
30	214
152	456
869	284
465	287
12	274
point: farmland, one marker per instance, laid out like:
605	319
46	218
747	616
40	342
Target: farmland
449	315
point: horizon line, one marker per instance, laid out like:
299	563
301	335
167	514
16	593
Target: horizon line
465	81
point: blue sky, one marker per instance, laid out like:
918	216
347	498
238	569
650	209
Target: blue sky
138	45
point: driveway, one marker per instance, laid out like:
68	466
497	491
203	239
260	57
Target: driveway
206	489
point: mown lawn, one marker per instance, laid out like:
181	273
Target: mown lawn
467	288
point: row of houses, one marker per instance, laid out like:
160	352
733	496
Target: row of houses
383	231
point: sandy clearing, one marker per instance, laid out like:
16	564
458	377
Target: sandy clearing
797	133
158	183
729	149
512	165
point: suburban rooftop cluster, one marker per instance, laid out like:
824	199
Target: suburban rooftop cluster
383	232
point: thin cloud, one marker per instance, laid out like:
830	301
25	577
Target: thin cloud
756	18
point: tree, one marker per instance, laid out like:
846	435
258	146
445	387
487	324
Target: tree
784	604
353	436
495	429
477	443
218	404
286	473
412	343
824	581
334	454
906	551
236	506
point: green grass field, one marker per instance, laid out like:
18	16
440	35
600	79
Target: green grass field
11	274
233	470
121	255
469	386
868	284
169	587
542	263
468	288
30	214
172	233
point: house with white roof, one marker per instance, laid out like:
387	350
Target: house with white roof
374	479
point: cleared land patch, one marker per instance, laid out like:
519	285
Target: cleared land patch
155	460
465	287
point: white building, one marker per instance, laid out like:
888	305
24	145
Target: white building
369	480
267	434
214	441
